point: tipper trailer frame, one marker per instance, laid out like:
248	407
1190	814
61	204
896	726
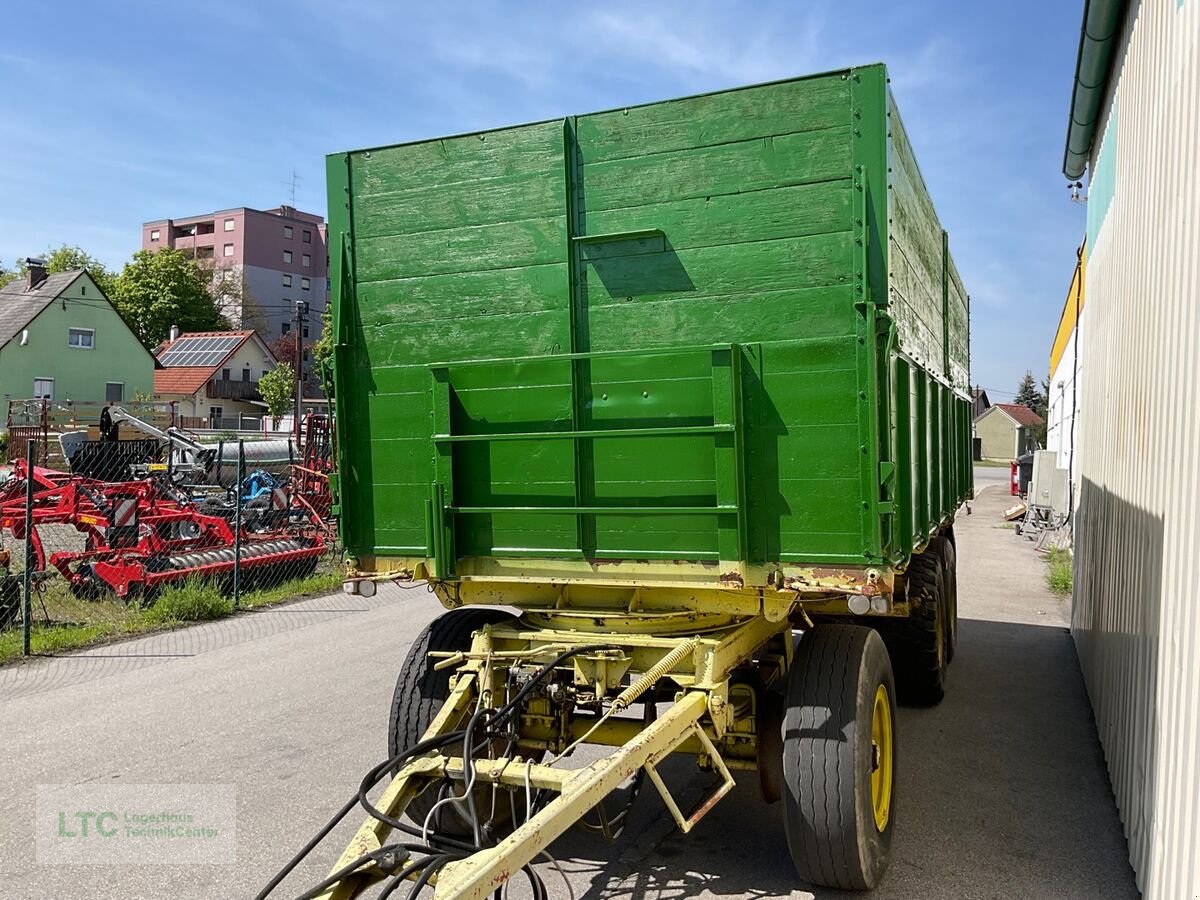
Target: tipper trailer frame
676	382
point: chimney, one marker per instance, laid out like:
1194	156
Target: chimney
174	334
35	271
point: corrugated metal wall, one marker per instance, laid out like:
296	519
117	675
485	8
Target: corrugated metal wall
1137	607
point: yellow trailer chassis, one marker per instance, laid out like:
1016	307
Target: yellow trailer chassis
721	657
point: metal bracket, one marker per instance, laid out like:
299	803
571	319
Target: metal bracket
727	783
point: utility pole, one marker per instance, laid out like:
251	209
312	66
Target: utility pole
298	328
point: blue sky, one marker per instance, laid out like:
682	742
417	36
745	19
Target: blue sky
140	111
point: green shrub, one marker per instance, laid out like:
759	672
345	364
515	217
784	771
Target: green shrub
1059	571
192	601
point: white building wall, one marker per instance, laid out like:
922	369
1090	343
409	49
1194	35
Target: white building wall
1136	617
1063	415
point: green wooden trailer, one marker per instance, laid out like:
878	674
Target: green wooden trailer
678	382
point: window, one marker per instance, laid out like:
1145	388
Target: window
287	280
304	284
155	234
306	354
214	416
224	374
43	389
228	251
246	374
204	252
229	224
307	237
287	256
306	260
285	327
287	232
114	391
304	331
83	338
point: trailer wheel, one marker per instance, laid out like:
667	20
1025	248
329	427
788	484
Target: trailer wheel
839	757
421	691
917	644
949	556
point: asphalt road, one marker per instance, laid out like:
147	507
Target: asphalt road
986	475
1002	791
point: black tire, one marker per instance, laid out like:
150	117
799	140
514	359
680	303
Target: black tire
945	547
829	757
917	644
421	691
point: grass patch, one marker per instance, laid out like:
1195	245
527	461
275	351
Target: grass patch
1059	571
192	601
77	623
993	463
320	583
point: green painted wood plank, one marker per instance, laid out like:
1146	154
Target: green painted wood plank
449	251
435	298
778	212
771	162
756	112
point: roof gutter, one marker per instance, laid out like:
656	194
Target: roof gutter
1098	38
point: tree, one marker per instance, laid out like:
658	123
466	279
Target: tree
158	289
66	258
231	294
322	349
1029	395
278	389
284	349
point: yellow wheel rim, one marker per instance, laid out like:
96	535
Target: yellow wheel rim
882	758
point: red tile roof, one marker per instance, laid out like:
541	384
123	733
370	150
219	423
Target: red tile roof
187	380
1023	414
184	380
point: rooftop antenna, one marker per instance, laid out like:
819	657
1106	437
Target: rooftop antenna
295	180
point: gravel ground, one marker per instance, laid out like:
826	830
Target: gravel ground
1002	790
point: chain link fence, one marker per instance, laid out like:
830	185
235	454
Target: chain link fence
134	535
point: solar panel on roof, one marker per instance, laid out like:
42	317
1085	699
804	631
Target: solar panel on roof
199	351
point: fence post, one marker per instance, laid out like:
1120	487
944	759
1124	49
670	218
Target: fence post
237	524
27	575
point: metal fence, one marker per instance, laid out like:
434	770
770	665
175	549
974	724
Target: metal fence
128	539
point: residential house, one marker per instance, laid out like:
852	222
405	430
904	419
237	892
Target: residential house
213	377
62	340
980	402
1006	431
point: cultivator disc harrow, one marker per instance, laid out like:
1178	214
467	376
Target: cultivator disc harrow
140	536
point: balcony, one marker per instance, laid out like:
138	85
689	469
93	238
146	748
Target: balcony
221	389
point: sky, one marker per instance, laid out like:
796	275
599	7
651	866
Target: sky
116	113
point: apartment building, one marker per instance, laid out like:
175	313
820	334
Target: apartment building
268	258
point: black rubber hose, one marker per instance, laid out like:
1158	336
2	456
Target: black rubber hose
373	776
420	747
305	850
374	855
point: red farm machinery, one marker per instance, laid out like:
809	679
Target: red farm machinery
128	536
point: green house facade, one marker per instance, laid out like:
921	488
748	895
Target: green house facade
61	339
